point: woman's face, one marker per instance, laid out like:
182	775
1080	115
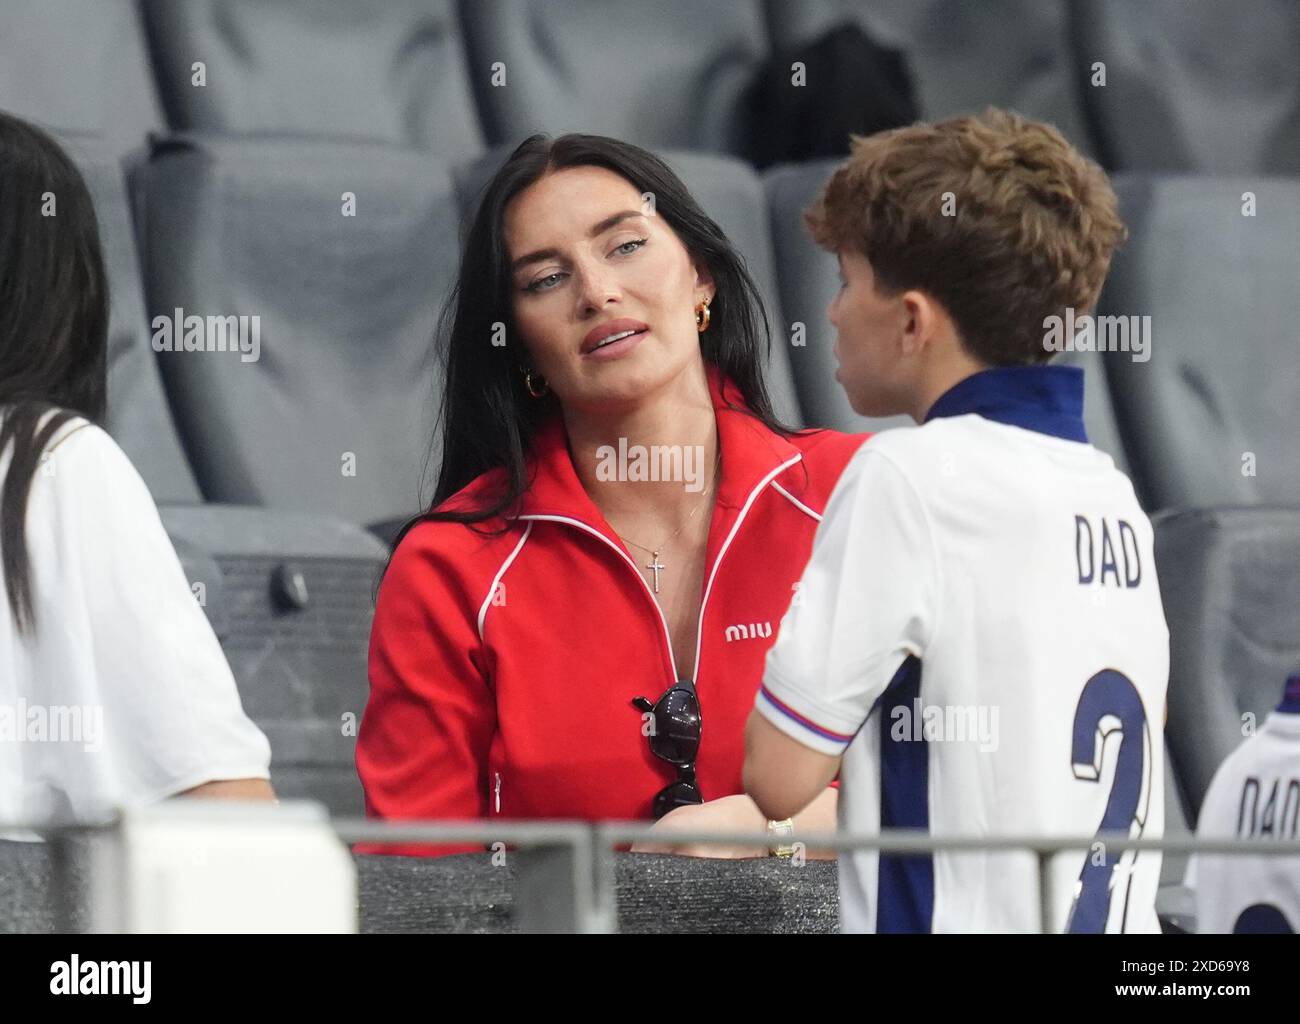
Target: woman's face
588	254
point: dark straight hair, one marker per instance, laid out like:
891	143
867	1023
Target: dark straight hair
487	418
53	326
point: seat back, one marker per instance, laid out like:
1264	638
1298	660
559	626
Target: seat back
138	414
1193	86
390	70
80	66
333	259
1230	582
1210	417
668	74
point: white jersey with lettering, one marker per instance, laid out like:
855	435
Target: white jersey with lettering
979	633
1255	794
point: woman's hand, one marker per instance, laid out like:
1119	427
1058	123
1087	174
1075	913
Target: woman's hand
737	813
732	813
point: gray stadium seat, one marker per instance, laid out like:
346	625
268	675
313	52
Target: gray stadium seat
963	56
78	65
1193	85
138	416
1210	419
1230	581
336	416
390	70
667	74
730	193
809	279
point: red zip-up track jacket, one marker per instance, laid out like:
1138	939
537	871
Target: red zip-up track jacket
503	668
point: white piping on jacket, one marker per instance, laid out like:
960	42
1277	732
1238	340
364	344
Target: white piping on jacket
704	603
482	612
744	509
624	555
796	501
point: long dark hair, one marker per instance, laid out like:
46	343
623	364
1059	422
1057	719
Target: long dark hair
53	325
487	418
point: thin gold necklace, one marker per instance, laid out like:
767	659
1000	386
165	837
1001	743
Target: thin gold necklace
655	565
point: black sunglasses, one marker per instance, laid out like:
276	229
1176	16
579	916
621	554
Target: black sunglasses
675	738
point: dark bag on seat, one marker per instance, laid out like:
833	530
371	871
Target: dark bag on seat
852	85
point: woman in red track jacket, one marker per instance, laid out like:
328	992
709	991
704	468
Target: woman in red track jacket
564	582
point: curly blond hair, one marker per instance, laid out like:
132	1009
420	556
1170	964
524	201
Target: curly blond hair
995	216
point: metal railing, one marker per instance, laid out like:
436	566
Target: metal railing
564	870
587	875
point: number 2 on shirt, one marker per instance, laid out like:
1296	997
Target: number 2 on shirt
1110	702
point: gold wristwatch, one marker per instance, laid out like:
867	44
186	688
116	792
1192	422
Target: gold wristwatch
781	829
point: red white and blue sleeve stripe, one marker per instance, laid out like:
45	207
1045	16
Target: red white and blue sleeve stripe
799	719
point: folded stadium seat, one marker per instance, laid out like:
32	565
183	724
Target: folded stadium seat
390	70
289	595
964	56
665	74
729	192
1230	580
1201	86
330	409
809	279
1210	418
78	65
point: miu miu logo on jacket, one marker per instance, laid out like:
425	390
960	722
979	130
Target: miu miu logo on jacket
750	632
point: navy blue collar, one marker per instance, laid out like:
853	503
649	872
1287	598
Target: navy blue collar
1048	399
1291	696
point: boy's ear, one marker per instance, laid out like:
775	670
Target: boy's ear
916	316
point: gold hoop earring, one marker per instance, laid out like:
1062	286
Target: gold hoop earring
702	317
528	383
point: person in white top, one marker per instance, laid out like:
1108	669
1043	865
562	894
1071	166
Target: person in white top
114	691
977	645
1255	794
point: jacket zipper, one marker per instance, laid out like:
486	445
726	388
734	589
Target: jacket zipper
713	572
632	565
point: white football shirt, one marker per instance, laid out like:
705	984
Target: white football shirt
1255	794
122	696
979	632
